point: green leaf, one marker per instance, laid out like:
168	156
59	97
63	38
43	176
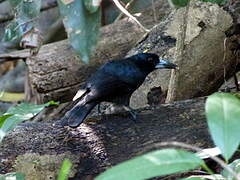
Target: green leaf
235	166
156	163
3	118
223	114
92	5
14	3
220	2
204	177
193	178
82	27
13	32
9	176
65	170
179	3
26	11
18	114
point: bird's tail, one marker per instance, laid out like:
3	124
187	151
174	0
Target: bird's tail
77	114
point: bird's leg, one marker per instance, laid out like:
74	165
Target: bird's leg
99	109
131	111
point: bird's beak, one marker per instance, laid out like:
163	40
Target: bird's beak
165	64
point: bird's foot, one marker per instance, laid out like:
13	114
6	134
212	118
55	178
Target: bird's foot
132	112
100	113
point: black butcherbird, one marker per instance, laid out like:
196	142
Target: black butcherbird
115	82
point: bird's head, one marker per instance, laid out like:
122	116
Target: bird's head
149	62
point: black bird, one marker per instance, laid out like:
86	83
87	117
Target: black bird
114	82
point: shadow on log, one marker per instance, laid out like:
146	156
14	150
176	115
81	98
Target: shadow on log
102	141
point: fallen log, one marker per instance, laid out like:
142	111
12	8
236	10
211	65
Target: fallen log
37	149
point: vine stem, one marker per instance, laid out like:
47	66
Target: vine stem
121	8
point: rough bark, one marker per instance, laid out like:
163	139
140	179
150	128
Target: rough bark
205	63
33	148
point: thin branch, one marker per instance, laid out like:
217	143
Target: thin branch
121	8
126	7
52	30
6	17
12	56
154	11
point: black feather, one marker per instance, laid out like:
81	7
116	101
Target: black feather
77	114
115	82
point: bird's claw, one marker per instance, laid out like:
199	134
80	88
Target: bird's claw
134	115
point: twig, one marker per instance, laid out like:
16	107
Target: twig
121	8
236	82
224	58
194	148
128	5
6	17
154	11
12	56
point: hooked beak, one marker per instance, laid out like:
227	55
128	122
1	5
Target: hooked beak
165	64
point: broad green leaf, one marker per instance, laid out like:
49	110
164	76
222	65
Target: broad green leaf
26	11
235	165
156	163
82	27
65	170
18	114
92	5
223	114
12	176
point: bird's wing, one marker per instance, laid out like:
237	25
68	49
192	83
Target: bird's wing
108	88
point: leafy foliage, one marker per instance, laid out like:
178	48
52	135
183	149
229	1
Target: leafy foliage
18	114
81	25
156	163
65	170
25	12
223	112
